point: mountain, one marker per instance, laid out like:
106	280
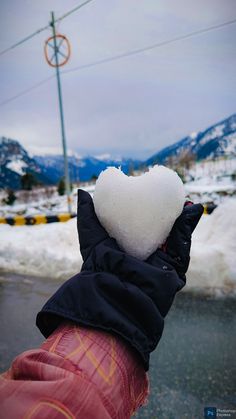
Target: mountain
80	168
218	140
15	162
49	169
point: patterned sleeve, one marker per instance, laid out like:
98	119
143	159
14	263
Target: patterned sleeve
77	373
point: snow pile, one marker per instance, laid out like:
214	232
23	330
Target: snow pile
48	250
213	263
140	211
52	251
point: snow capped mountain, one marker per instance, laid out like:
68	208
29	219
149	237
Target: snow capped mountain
218	140
15	162
49	168
80	169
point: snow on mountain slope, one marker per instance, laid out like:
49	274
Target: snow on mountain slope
47	167
17	166
15	162
218	140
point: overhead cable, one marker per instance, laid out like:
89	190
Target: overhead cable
44	28
123	55
73	10
149	47
24	92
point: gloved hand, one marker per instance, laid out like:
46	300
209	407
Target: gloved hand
117	292
176	249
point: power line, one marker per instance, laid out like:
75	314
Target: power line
73	10
24	40
122	55
24	92
150	47
44	28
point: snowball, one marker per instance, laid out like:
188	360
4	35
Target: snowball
139	211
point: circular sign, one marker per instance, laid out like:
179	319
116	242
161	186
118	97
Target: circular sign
62	50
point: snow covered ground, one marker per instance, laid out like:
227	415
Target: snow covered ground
213	264
40	202
52	250
212	181
48	250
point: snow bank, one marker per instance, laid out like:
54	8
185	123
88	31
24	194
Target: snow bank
52	250
213	264
48	250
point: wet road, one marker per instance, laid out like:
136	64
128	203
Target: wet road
195	362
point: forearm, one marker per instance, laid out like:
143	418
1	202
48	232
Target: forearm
73	365
116	292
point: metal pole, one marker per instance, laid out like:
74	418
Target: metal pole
67	179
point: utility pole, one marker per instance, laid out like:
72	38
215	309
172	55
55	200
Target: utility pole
66	170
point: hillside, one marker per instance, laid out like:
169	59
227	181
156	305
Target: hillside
15	162
217	140
80	168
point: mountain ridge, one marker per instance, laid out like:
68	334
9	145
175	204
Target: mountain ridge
217	140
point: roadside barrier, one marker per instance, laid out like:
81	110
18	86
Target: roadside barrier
20	220
209	208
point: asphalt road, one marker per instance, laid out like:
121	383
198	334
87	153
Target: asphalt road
193	367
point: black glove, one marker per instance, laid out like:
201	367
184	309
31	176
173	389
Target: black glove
176	249
117	292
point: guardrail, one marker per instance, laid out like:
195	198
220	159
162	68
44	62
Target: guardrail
20	220
209	208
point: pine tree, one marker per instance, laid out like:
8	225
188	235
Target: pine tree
28	180
61	187
93	178
11	197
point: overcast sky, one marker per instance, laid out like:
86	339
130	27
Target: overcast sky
131	107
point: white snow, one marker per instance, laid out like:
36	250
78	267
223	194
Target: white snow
193	135
17	165
213	263
230	144
212	181
50	151
48	250
215	132
105	156
52	251
131	212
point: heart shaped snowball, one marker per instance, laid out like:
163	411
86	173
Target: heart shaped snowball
139	211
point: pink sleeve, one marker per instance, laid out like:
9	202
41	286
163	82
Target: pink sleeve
77	373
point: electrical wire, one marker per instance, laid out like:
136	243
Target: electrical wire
150	47
24	40
27	38
73	10
24	92
123	55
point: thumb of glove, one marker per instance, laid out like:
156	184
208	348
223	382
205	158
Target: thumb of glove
90	230
178	243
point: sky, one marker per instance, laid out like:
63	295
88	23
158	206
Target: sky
130	107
